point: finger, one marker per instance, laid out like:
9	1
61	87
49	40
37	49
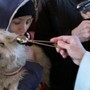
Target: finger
55	39
62	38
63	45
63	53
57	49
66	39
86	21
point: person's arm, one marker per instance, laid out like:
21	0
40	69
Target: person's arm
70	45
83	75
33	77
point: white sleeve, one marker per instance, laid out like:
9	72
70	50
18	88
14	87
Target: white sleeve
83	75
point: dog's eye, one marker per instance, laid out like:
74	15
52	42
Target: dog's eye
1	44
0	56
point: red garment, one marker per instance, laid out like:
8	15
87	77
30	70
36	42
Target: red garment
44	86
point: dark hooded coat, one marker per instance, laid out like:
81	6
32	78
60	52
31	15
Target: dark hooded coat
8	8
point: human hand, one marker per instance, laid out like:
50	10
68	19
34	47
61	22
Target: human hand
82	31
69	45
85	15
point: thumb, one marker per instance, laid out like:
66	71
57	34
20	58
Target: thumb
55	39
63	45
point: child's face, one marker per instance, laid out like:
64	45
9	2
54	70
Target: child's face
21	24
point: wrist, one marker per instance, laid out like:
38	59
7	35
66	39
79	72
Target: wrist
77	61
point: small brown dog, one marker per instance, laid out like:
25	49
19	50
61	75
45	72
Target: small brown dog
11	61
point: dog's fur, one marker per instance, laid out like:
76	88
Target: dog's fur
11	59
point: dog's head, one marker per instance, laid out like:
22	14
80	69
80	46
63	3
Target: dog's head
12	54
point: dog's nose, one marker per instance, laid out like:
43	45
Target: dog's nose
1	44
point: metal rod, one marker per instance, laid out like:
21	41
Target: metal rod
22	39
41	43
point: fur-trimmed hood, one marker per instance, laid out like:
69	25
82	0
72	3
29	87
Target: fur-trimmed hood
8	9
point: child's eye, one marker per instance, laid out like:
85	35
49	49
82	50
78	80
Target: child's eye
16	22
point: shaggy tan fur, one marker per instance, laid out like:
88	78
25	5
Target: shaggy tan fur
11	59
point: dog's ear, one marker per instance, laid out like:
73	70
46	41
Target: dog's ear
11	37
8	35
1	30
